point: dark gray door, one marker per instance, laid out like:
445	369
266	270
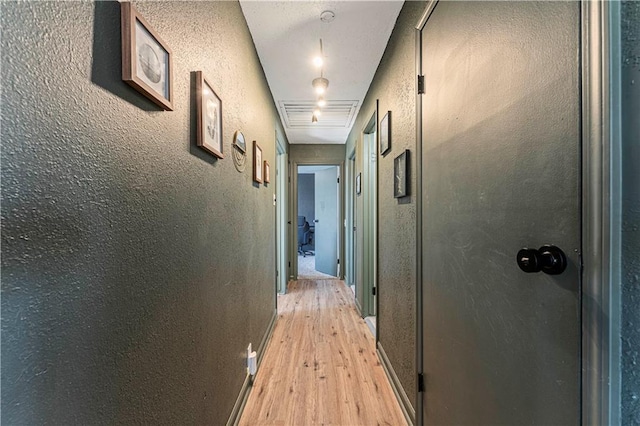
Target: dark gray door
326	229
501	144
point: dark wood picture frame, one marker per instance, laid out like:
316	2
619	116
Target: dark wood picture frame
384	134
147	61
401	175
208	117
267	172
257	163
359	183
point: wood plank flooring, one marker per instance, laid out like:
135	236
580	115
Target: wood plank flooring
321	365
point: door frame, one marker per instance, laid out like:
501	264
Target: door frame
369	224
601	206
601	211
282	271
350	197
293	197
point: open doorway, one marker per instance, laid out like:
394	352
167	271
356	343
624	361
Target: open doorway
363	214
282	200
318	208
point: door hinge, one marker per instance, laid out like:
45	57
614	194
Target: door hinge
420	382
338	180
420	84
289	264
338	261
373	291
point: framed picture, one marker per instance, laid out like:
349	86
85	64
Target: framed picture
147	63
238	141
209	117
267	172
401	175
257	162
385	133
359	183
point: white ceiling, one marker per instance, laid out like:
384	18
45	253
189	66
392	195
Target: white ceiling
286	35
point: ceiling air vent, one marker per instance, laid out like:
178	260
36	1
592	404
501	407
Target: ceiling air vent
297	114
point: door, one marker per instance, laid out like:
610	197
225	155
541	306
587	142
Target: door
370	218
350	192
500	171
281	220
326	226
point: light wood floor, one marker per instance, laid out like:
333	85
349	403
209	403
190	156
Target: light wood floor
321	365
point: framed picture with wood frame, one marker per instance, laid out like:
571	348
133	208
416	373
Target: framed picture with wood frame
385	133
401	175
267	172
257	163
209	117
147	62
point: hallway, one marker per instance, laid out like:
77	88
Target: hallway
321	365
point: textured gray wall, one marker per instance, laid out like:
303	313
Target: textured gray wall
306	196
394	86
316	154
631	213
135	267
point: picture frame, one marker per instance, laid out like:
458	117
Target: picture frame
401	175
147	61
385	133
257	163
209	117
359	183
239	142
267	172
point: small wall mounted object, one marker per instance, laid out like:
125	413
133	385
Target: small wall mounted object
267	172
209	117
147	63
257	163
385	133
239	151
401	175
238	141
359	183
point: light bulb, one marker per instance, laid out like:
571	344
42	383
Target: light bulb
316	112
320	85
321	102
317	61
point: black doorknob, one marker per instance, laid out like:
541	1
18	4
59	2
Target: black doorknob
548	259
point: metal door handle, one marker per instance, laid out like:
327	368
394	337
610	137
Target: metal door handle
548	259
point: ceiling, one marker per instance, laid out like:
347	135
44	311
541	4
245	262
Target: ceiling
287	36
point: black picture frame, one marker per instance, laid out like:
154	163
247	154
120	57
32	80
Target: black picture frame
401	175
385	134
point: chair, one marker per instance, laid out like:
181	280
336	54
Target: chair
304	235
